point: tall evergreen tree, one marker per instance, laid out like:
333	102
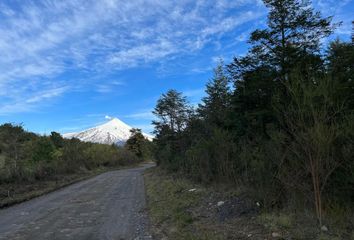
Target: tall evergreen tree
136	142
294	32
291	39
173	112
216	104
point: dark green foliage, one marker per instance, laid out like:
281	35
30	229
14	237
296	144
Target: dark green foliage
42	150
285	130
137	143
25	156
173	113
57	139
294	32
291	39
216	104
341	67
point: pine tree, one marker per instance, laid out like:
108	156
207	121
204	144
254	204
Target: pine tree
294	32
291	39
173	115
215	105
173	112
136	142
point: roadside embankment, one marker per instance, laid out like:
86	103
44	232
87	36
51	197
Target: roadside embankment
182	209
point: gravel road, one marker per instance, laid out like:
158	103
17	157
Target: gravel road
108	206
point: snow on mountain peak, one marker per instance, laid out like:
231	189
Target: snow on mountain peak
116	123
112	132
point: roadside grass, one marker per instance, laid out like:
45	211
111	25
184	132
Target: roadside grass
275	222
182	209
287	224
303	224
170	202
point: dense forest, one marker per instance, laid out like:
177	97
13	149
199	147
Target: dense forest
27	157
278	120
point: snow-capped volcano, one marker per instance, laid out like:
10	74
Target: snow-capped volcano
115	131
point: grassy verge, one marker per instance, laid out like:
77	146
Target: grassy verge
182	209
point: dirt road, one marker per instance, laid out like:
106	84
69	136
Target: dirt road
108	206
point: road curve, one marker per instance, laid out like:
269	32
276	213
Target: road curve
108	206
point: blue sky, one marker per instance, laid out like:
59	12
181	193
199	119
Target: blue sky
66	65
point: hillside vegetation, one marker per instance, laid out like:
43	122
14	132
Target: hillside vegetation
278	121
31	164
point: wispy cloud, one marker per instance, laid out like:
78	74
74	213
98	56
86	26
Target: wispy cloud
340	12
108	87
41	40
26	104
143	115
46	94
84	122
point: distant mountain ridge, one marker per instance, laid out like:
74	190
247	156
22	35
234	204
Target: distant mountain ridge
113	132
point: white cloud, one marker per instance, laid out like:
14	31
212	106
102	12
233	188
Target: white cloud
46	95
44	39
340	12
109	86
108	117
230	23
28	102
331	7
142	53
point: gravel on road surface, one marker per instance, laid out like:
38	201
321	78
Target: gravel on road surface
108	206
